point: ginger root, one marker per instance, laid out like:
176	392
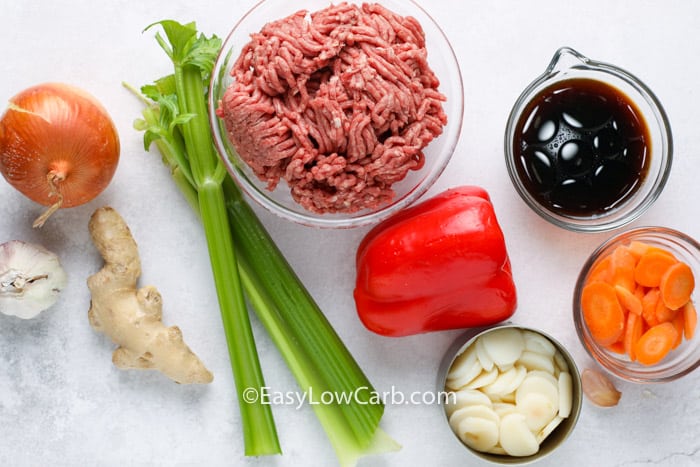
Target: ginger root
133	318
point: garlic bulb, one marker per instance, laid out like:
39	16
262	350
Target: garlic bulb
31	278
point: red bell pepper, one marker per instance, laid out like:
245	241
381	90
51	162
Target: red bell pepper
441	264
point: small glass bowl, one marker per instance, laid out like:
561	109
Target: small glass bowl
443	62
680	361
560	433
570	64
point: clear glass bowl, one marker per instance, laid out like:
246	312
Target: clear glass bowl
560	433
441	59
570	64
681	361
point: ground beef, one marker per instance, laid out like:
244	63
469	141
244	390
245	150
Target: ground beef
339	104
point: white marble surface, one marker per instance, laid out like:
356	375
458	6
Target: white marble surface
63	403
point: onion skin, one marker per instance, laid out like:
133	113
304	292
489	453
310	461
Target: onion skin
58	145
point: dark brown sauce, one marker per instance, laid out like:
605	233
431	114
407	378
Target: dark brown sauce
581	147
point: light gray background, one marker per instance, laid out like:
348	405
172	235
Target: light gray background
63	403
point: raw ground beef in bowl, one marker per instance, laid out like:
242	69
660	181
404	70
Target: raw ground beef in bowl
336	115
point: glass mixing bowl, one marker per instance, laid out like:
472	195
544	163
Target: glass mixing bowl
680	361
438	152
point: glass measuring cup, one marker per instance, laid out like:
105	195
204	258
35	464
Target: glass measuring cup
568	64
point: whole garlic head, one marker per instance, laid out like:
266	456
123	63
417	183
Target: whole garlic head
31	278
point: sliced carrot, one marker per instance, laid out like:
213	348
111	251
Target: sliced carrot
676	285
637	300
617	347
649	303
601	271
623	265
690	320
651	266
655	344
678	323
638	248
602	312
664	313
633	331
628	300
623	257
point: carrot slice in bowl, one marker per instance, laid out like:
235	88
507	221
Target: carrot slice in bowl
690	320
651	267
628	300
602	312
649	303
677	285
623	264
656	343
633	331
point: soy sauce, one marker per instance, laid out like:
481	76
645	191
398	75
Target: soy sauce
581	147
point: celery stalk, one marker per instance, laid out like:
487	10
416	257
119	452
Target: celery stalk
313	351
303	316
310	346
207	174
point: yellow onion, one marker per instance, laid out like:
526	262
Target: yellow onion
58	146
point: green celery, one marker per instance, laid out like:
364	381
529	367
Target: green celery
314	333
191	56
310	346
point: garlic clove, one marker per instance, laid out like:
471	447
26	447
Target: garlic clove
599	389
31	279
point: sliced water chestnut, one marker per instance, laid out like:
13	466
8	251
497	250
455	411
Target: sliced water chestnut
521	393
